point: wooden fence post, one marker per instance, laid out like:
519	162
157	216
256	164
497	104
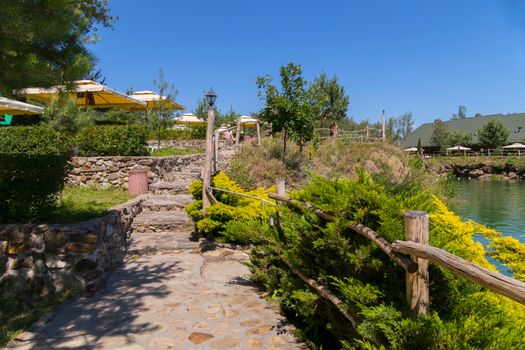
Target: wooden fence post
237	136
259	133
206	174
383	126
417	293
216	152
280	187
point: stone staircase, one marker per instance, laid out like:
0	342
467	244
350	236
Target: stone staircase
178	182
163	226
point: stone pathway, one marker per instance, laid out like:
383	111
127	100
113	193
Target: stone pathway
170	294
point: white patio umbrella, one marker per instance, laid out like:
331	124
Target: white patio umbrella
14	107
458	148
248	121
517	146
410	149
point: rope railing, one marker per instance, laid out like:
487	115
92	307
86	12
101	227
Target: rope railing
263	201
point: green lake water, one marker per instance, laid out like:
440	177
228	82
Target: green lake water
497	204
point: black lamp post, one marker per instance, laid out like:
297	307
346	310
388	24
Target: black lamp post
211	96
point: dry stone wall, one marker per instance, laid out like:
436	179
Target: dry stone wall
113	171
38	260
186	144
480	170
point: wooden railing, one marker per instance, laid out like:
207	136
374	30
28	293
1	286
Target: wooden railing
414	254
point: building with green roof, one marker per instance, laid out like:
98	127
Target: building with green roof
515	123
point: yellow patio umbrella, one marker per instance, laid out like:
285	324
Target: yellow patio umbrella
153	99
14	107
88	93
190	119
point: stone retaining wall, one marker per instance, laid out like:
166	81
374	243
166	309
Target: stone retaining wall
37	260
187	144
482	171
113	171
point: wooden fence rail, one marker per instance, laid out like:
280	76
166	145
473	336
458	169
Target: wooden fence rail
494	281
416	232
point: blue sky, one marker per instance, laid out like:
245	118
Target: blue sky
426	57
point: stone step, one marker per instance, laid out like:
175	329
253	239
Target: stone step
167	202
160	221
179	187
160	242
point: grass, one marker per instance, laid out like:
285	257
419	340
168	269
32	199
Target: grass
167	152
17	317
85	203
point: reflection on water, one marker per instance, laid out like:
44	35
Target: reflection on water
497	204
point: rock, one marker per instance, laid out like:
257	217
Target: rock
476	173
199	337
512	175
79	248
227	342
370	166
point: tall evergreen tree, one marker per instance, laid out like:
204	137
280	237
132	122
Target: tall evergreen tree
330	101
43	42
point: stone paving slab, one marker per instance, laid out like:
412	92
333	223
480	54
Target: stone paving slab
167	202
155	242
162	221
168	301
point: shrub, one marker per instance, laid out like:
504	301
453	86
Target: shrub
462	314
33	166
230	208
189	133
112	140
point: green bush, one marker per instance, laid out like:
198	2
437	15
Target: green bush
112	140
190	133
33	166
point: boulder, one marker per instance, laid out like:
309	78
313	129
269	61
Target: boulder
476	173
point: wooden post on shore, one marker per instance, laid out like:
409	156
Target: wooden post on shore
280	186
258	133
237	136
216	137
208	167
383	126
367	132
417	293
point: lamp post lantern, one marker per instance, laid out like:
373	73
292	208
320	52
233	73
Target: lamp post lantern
211	97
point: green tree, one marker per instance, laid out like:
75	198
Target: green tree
64	115
462	110
458	138
201	110
405	125
330	101
440	135
419	147
289	109
44	42
493	135
162	119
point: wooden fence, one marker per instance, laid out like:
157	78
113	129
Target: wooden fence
414	254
